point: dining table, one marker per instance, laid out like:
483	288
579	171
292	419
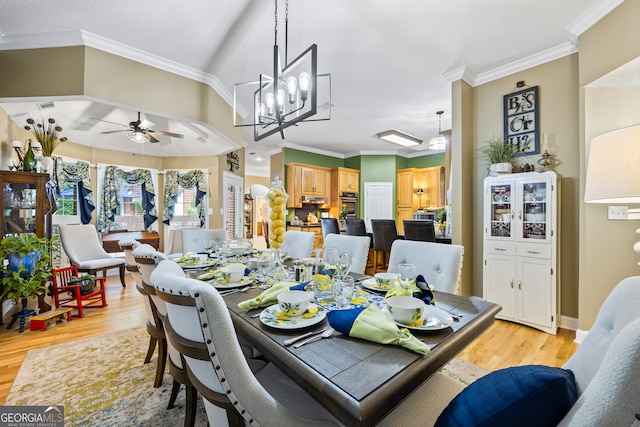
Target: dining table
361	381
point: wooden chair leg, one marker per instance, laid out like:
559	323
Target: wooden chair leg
124	285
191	406
175	389
162	362
152	347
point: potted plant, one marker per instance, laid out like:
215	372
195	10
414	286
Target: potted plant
499	156
26	269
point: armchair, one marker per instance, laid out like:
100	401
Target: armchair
82	246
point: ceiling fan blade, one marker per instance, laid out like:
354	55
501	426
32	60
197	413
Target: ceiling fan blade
114	131
146	124
107	121
162	132
151	138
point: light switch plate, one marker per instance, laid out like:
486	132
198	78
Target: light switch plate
617	212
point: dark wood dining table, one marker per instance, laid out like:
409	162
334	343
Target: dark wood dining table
357	380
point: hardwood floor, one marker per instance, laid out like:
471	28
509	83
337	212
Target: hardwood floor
504	344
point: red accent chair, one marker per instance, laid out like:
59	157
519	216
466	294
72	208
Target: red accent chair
69	295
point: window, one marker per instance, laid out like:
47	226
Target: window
67	201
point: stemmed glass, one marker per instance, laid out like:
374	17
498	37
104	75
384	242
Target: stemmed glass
265	263
344	264
209	247
407	276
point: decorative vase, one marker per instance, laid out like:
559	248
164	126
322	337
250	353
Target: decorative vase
47	164
277	197
29	161
496	169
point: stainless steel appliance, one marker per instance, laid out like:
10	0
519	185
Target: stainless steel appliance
424	215
349	201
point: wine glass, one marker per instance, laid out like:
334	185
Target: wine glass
208	246
344	264
265	262
407	276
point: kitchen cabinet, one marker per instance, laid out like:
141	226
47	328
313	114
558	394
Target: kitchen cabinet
520	248
26	203
307	180
403	213
345	180
405	188
431	180
318	240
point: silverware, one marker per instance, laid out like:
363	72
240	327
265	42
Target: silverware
326	334
253	316
303	336
224	293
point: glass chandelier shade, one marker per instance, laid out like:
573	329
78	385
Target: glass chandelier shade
440	141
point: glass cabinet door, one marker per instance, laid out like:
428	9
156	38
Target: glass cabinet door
500	210
25	203
534	210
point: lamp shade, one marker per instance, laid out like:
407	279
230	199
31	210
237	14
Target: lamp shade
613	169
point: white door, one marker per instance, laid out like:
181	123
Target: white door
232	204
377	202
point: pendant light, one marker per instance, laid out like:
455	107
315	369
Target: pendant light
440	141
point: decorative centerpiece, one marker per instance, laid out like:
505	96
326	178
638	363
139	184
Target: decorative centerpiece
47	134
277	213
499	156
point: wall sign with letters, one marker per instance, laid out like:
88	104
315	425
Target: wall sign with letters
521	121
233	161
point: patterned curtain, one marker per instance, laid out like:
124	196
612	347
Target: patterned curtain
193	178
111	195
78	173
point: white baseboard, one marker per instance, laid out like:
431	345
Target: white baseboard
570	323
580	336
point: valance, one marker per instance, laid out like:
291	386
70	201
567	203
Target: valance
193	178
78	173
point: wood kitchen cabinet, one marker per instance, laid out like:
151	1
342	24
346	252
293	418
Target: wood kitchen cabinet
405	188
345	180
307	180
431	180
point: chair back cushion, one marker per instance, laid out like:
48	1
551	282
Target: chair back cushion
384	234
299	244
440	264
355	227
81	243
356	246
329	226
193	240
419	230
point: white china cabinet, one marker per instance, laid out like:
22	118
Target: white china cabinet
520	250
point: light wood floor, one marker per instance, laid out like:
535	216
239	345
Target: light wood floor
504	344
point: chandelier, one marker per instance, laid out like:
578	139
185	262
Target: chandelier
440	141
287	97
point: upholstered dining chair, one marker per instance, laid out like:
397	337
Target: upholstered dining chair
193	240
605	368
298	244
65	295
82	246
127	246
440	264
420	230
147	259
355	227
329	226
356	246
384	234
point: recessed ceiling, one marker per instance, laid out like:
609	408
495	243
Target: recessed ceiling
391	62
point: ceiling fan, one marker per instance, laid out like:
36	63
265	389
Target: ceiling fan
140	131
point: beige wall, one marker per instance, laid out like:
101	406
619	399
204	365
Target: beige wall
606	254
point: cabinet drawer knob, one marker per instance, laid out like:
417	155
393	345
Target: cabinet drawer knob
533	252
500	249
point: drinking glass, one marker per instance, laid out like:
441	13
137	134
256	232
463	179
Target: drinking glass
344	264
209	246
346	287
265	262
330	257
407	275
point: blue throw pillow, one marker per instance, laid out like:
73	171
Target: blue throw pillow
520	396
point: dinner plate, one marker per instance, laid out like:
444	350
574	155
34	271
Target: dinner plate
268	317
435	319
372	285
197	263
230	285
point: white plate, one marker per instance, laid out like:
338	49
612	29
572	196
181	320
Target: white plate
435	318
198	264
372	285
295	322
242	282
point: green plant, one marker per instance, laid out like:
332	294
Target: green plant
496	151
27	267
46	133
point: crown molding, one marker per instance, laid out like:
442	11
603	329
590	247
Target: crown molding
592	15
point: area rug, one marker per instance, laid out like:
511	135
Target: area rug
102	381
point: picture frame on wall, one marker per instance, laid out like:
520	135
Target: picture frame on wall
521	121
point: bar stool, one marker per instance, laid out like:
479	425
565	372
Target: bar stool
357	227
384	234
420	230
329	226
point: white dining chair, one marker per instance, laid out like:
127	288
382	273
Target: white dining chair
193	240
440	264
356	246
231	390
83	248
127	246
298	244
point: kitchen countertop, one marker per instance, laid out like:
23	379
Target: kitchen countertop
305	224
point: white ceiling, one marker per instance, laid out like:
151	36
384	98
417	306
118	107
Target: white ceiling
391	63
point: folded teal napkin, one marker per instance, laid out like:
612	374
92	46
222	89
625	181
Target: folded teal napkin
372	324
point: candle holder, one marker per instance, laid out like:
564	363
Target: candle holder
546	161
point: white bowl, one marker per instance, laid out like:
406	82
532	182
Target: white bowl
294	303
233	272
385	278
404	309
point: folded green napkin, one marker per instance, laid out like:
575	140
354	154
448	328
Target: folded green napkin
398	290
267	297
372	324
